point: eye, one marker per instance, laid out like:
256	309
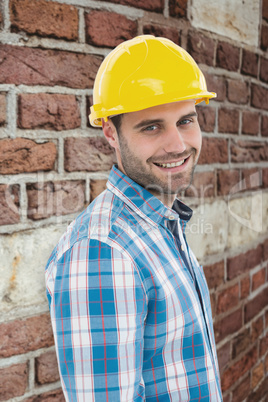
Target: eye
185	121
153	127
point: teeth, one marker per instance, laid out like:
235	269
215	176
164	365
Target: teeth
170	165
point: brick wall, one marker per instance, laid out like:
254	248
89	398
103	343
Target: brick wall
52	164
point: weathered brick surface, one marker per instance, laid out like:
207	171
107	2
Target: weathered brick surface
259	97
265	178
48	111
23	336
201	48
206	118
216	84
257	375
13	381
178	8
264	37
203	185
254	306
228	325
228	120
264	69
228	56
251	179
244	287
44	18
9	204
244	262
241	342
256	329
214	274
265	9
51	396
46	368
249	151
237	91
250	123
228	299
97	187
226	180
242	390
150	5
249	63
224	355
260	392
58	198
265	253
232	374
89	154
2	109
30	66
214	150
104	28
158	30
22	155
264	345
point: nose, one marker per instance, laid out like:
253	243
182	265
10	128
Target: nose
173	140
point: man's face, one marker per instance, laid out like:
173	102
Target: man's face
159	147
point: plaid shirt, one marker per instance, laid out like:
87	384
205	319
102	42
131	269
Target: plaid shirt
131	321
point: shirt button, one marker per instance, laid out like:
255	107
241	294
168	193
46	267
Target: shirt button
182	248
171	217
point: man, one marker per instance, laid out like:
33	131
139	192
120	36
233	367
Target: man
129	303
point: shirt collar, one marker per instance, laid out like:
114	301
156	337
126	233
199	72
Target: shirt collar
143	202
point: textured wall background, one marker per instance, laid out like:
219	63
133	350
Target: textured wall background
52	163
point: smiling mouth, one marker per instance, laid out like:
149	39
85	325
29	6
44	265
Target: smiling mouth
170	165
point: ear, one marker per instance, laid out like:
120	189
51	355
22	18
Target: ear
110	133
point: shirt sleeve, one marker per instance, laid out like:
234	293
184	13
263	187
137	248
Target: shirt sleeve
98	308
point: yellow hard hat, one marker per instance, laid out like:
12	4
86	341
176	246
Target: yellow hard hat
143	72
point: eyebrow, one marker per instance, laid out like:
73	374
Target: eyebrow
149	122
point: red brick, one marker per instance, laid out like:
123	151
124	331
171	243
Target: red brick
243	262
55	198
214	150
48	111
51	396
248	151
254	306
264	37
259	97
44	18
88	154
2	109
9	204
227	299
226	181
249	63
13	381
264	126
242	390
214	274
228	325
178	8
228	56
258	279
206	118
257	375
259	393
265	245
34	66
264	69
216	84
245	287
265	9
264	345
256	329
227	398
104	28
162	31
150	5
238	369
228	120
203	185
46	368
250	123
224	355
22	336
22	155
251	179
97	187
237	91
240	343
265	178
201	48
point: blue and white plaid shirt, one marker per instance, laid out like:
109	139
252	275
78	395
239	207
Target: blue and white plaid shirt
131	320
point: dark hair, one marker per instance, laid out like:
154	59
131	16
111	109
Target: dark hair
117	120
